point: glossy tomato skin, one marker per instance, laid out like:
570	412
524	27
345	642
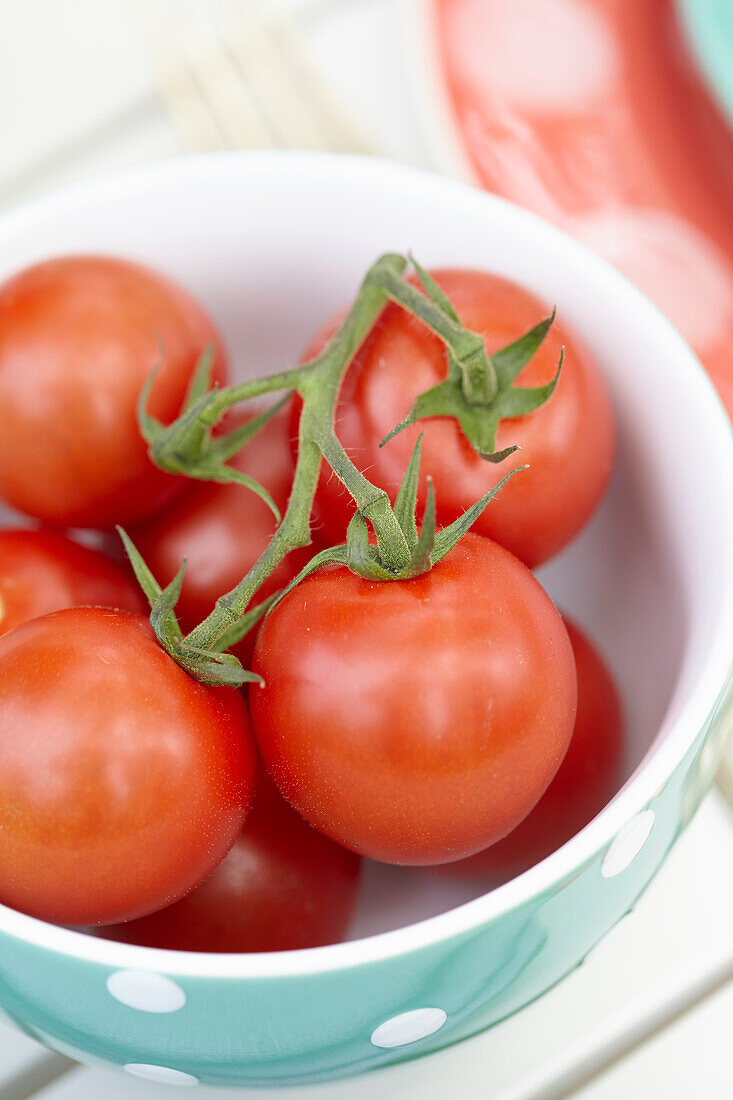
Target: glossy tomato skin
123	782
417	721
79	336
43	571
221	530
588	776
283	886
568	443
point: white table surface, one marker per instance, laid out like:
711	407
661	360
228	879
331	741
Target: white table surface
649	1016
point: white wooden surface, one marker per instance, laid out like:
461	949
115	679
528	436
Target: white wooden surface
690	1059
649	1016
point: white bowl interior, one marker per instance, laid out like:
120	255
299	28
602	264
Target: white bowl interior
274	244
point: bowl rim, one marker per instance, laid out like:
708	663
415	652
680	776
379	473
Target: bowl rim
714	682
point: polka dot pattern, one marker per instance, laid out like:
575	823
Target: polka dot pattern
161	1075
628	844
408	1027
145	992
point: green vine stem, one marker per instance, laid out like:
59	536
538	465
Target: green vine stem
318	384
477	385
479	391
466	349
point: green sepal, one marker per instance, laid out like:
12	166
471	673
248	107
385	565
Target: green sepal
510	360
187	447
241	628
212	668
151	429
224	446
406	499
162	600
431	547
200	383
479	422
163	612
144	576
361	557
422	558
335	555
227	475
521	400
208	667
446	539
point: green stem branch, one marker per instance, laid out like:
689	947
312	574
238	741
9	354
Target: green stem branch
373	503
468	355
318	383
254	387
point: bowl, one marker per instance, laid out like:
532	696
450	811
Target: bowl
273	243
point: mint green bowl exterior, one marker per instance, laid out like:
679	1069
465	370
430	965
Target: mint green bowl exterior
313	1015
708	25
316	1026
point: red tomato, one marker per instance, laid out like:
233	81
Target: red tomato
416	721
587	778
78	338
222	530
283	886
42	571
568	443
123	782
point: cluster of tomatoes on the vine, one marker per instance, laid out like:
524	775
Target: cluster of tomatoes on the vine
415	696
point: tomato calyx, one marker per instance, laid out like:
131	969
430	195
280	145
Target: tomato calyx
479	391
427	545
214	667
188	446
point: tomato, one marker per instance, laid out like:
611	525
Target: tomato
42	571
283	886
416	721
123	782
568	443
222	529
587	779
79	336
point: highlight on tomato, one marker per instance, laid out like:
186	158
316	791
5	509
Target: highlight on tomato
123	782
43	571
79	336
283	886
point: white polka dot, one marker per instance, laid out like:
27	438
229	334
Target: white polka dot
145	991
609	937
627	845
160	1074
408	1027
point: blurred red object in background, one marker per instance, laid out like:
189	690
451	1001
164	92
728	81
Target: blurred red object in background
591	113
